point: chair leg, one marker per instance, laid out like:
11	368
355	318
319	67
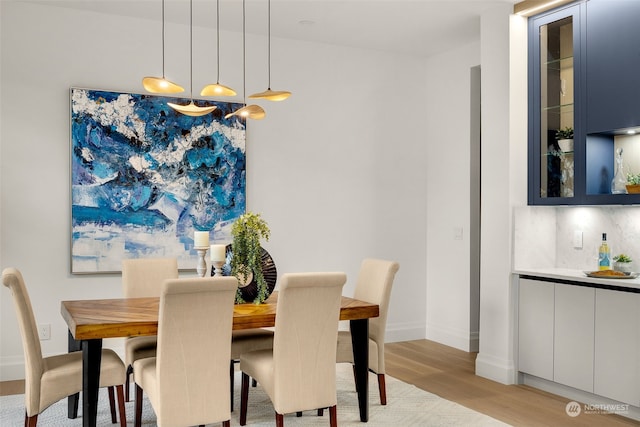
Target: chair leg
112	405
254	383
244	396
121	408
226	423
127	383
279	420
231	382
299	414
321	412
333	416
30	421
383	389
138	411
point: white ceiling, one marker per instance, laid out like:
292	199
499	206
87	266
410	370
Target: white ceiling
417	27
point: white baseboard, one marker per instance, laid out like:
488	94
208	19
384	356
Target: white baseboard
397	332
462	340
496	369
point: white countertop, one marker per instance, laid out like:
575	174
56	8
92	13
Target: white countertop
578	276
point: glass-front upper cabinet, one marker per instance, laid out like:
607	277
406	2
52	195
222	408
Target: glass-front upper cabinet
554	110
584	95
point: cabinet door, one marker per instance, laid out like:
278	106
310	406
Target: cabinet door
617	346
613	65
535	328
555	106
573	338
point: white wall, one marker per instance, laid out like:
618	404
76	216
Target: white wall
504	177
448	195
338	170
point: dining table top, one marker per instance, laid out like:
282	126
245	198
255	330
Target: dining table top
125	317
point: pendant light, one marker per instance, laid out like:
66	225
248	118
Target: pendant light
191	109
217	89
254	112
161	84
270	95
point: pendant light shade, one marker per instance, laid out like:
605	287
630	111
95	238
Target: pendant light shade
161	84
217	89
270	95
254	112
191	109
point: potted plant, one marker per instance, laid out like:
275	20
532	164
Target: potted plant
623	262
633	183
565	138
247	231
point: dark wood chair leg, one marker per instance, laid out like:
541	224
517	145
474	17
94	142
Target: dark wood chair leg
30	421
112	405
254	383
244	396
121	409
127	382
226	423
299	414
383	389
333	416
138	411
321	412
231	381
279	420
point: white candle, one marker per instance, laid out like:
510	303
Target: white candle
201	239
218	253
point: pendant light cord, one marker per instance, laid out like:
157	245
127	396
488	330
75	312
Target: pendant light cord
163	76
191	49
269	44
218	38
244	53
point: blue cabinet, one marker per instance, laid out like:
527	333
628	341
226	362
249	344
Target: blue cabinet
613	65
584	81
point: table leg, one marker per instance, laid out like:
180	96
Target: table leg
91	359
72	401
360	341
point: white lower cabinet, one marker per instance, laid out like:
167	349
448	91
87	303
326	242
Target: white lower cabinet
573	336
617	346
535	325
581	337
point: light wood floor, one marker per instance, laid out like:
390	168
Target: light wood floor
450	374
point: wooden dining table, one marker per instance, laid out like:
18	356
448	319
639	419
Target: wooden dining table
90	321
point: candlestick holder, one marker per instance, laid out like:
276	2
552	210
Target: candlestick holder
202	264
217	267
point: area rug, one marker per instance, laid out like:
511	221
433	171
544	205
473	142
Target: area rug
406	406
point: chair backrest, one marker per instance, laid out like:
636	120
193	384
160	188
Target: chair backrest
304	348
194	348
374	284
34	365
143	277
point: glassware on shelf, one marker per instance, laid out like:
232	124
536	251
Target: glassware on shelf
619	182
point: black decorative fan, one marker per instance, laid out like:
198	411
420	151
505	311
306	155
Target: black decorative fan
249	291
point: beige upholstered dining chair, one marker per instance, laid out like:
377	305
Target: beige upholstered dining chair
188	381
374	284
299	373
143	277
49	379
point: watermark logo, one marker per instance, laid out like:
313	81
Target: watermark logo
573	409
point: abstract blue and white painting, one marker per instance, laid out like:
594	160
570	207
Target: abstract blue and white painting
145	177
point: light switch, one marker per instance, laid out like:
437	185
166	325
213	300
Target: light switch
577	239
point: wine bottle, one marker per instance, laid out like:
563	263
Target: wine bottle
604	254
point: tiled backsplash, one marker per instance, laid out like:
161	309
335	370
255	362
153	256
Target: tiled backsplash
544	236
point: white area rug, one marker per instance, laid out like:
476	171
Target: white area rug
406	406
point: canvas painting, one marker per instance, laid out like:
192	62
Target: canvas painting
145	177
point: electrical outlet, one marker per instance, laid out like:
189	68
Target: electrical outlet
44	331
